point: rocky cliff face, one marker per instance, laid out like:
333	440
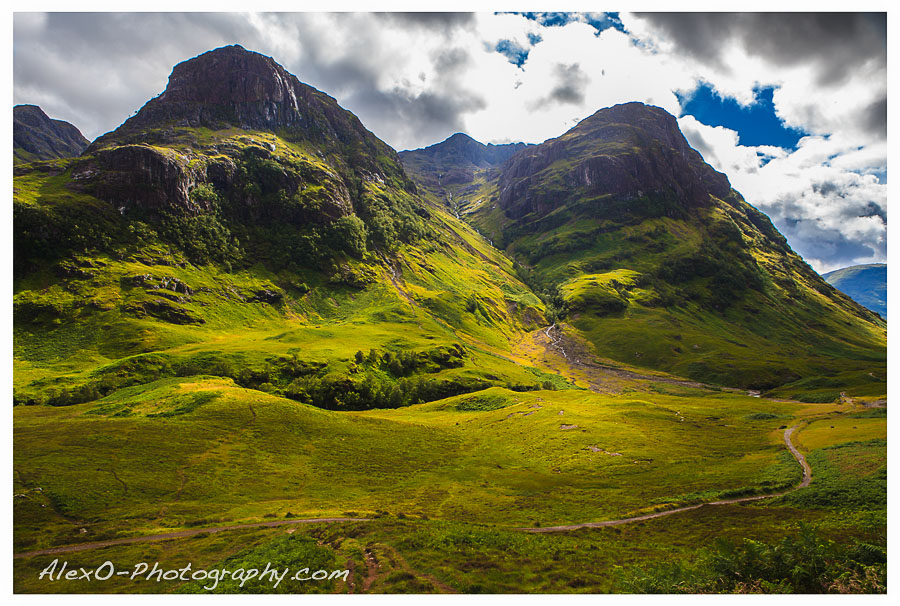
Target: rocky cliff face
38	137
157	158
136	176
232	87
628	151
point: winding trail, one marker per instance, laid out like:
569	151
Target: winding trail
807	477
556	342
370	562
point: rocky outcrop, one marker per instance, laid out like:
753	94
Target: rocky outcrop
144	177
232	87
158	158
160	180
628	151
38	137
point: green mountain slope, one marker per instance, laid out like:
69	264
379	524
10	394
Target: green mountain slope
266	237
37	137
865	284
653	256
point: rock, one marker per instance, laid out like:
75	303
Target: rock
144	177
628	151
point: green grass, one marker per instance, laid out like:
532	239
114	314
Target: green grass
414	553
242	454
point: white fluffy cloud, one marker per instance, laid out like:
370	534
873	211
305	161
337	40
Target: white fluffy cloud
832	214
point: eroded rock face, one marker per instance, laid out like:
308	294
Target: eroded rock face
141	176
158	156
160	180
628	150
245	89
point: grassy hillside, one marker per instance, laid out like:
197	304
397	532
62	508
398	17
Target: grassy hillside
447	481
678	279
98	314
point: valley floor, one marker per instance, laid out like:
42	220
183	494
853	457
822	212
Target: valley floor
446	487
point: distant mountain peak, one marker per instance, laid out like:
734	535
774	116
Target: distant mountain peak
455	160
865	284
36	136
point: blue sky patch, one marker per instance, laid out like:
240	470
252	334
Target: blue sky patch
755	124
599	21
512	51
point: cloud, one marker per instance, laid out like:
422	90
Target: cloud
836	44
841	57
832	215
570	87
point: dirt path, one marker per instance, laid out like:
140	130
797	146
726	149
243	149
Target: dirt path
371	562
371	570
404	565
807	477
179	534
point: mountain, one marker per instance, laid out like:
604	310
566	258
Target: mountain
38	137
456	166
240	308
865	284
242	206
653	256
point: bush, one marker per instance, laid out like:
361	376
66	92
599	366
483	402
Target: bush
800	563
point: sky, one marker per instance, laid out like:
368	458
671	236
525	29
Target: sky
792	107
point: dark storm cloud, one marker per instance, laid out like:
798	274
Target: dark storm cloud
874	118
95	69
429	20
836	43
427	117
825	187
571	84
874	210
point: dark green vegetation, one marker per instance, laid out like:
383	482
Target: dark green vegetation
37	137
239	307
799	563
865	284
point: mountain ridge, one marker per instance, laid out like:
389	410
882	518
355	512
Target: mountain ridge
617	219
36	136
455	165
866	284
